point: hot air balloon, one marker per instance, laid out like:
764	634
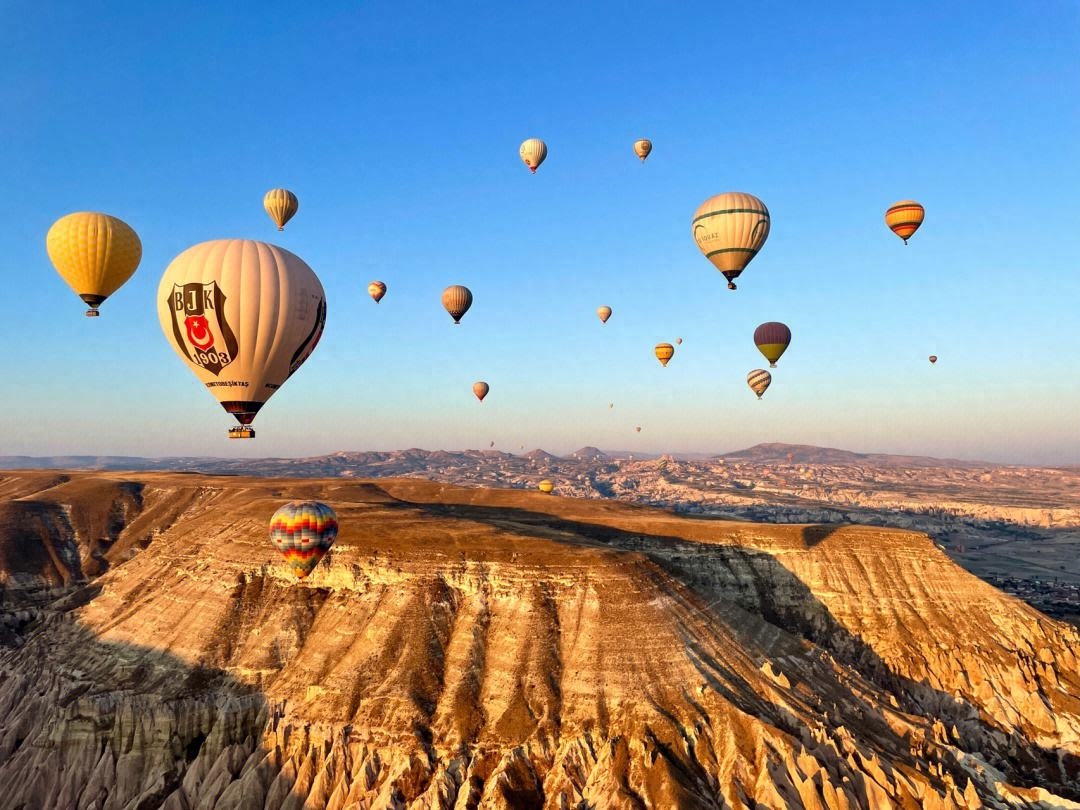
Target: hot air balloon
303	532
772	340
243	316
642	147
730	229
492	444
94	253
533	151
282	205
611	405
904	218
637	430
758	380
457	300
480	388
664	352
678	341
933	359
376	290
604	313
545	486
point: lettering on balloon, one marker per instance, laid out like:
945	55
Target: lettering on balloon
199	326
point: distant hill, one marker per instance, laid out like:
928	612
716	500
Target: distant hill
776	452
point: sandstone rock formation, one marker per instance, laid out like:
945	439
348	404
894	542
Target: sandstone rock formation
473	648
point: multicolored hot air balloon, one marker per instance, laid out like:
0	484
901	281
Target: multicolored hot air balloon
456	300
664	352
904	218
282	205
772	340
480	388
376	290
604	313
933	359
730	229
243	316
94	253
533	152
642	147
303	531
546	487
759	380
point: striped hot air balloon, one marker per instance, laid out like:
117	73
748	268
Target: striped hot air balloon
642	147
546	487
664	352
604	313
303	531
457	300
376	290
480	388
904	218
94	253
730	229
772	340
759	380
533	152
282	205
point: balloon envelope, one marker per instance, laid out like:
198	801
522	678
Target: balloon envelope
243	316
282	205
933	358
904	218
604	313
94	253
481	389
376	290
303	531
772	340
456	300
759	380
545	486
533	152
729	230
642	147
664	352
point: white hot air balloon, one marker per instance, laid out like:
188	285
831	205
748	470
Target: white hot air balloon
243	316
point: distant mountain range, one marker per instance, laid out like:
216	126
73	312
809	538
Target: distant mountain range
414	460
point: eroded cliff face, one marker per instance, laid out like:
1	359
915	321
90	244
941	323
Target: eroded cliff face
481	648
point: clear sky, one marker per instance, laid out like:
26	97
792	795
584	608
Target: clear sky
398	124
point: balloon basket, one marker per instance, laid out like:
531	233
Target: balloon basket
243	432
92	313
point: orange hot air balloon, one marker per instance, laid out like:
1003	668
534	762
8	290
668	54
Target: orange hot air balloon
94	253
456	300
604	313
546	487
933	359
904	218
664	352
376	290
642	147
480	388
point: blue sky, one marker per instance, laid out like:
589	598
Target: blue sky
398	124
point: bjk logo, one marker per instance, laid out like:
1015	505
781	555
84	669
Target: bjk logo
206	339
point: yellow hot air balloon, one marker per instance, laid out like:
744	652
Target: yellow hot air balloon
664	352
904	218
642	147
604	313
376	290
730	229
533	151
243	316
546	487
282	205
457	300
94	253
480	388
759	380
